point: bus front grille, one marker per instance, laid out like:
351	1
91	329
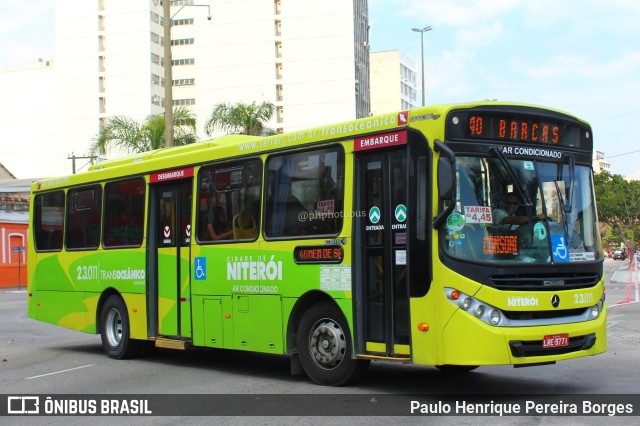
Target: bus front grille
543	315
543	282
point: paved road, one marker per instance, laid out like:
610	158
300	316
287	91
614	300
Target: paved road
37	358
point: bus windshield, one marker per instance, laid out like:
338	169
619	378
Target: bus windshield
522	211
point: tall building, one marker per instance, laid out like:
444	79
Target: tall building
309	58
393	82
30	121
600	164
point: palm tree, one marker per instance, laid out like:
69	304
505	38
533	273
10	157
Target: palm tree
241	118
126	135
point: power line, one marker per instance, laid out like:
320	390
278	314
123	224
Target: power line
619	155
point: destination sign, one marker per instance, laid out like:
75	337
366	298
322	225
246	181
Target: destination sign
500	244
515	127
329	253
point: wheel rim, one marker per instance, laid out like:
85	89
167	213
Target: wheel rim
113	327
327	344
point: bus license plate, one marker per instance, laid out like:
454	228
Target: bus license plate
555	341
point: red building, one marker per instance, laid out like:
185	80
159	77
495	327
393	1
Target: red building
14	223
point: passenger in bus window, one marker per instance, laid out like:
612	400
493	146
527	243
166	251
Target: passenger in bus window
218	227
244	226
510	216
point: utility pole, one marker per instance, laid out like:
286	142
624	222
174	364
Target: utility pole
168	70
73	159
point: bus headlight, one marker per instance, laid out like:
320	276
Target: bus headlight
494	317
475	307
595	311
466	303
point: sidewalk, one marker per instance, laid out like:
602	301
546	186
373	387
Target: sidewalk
621	275
16	289
628	276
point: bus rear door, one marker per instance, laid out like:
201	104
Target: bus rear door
169	254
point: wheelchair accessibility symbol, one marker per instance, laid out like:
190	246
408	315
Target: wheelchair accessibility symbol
560	251
201	268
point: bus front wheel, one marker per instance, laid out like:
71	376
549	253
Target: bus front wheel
325	347
114	330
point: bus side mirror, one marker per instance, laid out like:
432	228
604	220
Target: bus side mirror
445	178
446	182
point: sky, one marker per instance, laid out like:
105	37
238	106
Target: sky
580	56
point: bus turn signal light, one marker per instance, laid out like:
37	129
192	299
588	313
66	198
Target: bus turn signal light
455	294
423	327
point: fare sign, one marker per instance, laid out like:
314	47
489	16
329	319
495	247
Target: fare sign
380	140
478	214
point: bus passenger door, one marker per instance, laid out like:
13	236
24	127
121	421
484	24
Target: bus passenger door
169	263
380	247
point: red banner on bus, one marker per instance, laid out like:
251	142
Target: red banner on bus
174	174
381	140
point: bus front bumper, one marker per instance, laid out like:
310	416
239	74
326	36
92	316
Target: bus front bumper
468	341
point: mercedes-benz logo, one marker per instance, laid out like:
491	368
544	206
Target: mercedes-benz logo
555	300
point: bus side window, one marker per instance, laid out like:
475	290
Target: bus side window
48	219
84	216
124	217
305	193
229	206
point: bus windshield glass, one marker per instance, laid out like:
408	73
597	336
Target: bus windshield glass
522	211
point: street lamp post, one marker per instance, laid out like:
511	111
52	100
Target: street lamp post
422	31
168	71
168	75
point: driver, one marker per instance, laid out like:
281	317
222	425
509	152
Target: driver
510	216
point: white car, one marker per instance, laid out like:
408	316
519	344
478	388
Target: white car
620	254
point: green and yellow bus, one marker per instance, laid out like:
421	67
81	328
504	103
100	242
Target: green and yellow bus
382	238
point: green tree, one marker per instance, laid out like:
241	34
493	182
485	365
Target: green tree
619	206
129	136
240	118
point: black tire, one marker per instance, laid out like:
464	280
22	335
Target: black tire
456	369
114	330
325	348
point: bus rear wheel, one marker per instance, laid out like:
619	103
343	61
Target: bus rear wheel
114	330
325	347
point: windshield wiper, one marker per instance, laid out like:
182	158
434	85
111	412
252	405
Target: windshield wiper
563	208
572	181
518	182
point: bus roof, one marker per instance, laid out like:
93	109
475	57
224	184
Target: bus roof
230	146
